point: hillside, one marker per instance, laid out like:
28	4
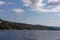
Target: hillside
20	26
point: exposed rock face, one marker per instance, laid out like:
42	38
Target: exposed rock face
20	26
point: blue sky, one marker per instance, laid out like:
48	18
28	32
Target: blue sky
44	12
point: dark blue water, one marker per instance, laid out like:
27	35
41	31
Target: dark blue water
29	35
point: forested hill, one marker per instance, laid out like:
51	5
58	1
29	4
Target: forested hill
20	26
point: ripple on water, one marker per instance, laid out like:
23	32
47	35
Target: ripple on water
29	35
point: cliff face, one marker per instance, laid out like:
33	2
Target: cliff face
20	26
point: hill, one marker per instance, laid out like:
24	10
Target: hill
20	26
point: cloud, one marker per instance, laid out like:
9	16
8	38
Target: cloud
33	3
53	2
39	5
40	10
56	9
4	3
18	10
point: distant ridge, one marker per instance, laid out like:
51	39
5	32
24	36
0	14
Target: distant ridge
20	26
6	25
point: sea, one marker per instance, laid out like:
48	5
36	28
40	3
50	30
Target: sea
29	35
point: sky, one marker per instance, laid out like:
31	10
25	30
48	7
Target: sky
41	12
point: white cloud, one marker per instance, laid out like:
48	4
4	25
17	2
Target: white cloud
53	0
37	5
18	10
40	10
2	3
33	3
56	9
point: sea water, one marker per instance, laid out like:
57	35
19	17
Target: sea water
29	35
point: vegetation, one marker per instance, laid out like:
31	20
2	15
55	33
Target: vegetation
20	26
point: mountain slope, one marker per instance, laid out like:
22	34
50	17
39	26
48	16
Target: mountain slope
20	26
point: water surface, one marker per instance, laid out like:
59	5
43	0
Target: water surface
29	35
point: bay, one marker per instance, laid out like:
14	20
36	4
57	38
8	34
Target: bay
29	35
